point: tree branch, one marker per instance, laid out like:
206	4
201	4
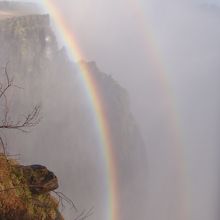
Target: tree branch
29	120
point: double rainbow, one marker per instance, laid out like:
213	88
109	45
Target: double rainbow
95	99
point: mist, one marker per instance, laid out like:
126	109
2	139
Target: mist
166	55
186	37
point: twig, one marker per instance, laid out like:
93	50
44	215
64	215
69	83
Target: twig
62	197
83	215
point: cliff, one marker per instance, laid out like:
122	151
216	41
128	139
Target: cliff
18	196
67	138
14	9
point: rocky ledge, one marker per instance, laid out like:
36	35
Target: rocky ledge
25	192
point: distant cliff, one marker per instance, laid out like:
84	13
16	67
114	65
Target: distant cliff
67	138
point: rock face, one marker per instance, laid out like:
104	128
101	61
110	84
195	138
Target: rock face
19	200
68	138
39	179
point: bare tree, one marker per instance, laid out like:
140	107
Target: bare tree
23	124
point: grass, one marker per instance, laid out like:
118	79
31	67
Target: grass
16	199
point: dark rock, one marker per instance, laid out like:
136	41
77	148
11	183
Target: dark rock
39	178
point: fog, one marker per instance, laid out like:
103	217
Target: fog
186	42
166	55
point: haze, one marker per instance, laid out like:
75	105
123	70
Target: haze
174	95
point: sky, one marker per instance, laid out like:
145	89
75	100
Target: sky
166	54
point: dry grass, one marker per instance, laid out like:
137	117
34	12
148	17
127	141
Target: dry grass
16	200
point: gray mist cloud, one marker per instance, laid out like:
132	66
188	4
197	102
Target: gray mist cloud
186	33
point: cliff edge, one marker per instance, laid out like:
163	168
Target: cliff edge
25	192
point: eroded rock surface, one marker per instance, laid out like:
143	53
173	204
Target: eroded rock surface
24	192
39	178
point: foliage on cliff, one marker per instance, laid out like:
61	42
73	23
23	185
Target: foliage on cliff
16	199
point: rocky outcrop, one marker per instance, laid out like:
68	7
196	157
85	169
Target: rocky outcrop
24	192
38	178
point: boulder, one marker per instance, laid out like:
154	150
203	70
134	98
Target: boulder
39	179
